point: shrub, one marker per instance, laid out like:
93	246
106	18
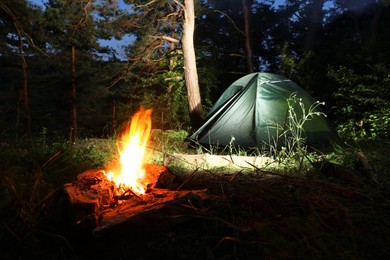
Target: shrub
362	103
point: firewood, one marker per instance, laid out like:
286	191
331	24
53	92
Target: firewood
93	205
125	196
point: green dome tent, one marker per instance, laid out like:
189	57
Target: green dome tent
253	112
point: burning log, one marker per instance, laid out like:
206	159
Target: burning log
156	207
96	206
103	201
88	195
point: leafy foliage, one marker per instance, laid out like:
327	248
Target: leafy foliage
363	114
354	37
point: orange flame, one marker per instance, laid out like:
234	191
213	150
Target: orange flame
132	148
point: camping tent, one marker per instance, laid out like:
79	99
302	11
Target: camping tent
253	112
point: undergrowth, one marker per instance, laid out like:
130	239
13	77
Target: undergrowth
284	210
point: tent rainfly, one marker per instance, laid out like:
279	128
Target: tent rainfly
254	112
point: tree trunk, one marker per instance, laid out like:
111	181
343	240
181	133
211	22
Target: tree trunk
377	13
113	115
172	43
248	39
172	48
316	18
190	70
73	116
25	89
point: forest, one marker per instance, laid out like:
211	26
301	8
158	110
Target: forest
66	93
337	50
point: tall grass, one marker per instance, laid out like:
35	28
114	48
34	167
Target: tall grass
291	216
287	143
32	178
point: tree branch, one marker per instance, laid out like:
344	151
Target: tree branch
180	4
182	7
166	38
231	20
145	5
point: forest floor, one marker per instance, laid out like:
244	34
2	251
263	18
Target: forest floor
247	215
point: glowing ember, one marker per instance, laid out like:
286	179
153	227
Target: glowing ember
132	147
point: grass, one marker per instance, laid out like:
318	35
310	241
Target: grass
285	209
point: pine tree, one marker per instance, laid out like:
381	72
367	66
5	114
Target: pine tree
74	31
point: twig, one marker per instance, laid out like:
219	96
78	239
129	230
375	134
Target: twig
132	192
188	179
123	196
268	172
10	231
235	175
231	20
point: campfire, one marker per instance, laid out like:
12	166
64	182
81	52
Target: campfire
132	147
106	199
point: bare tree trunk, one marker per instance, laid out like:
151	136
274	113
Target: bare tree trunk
377	13
25	89
248	39
172	43
190	70
73	116
113	115
316	18
172	48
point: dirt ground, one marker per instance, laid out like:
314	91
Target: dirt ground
246	216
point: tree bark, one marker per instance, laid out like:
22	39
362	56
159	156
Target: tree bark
73	117
25	89
190	69
172	48
377	13
248	39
